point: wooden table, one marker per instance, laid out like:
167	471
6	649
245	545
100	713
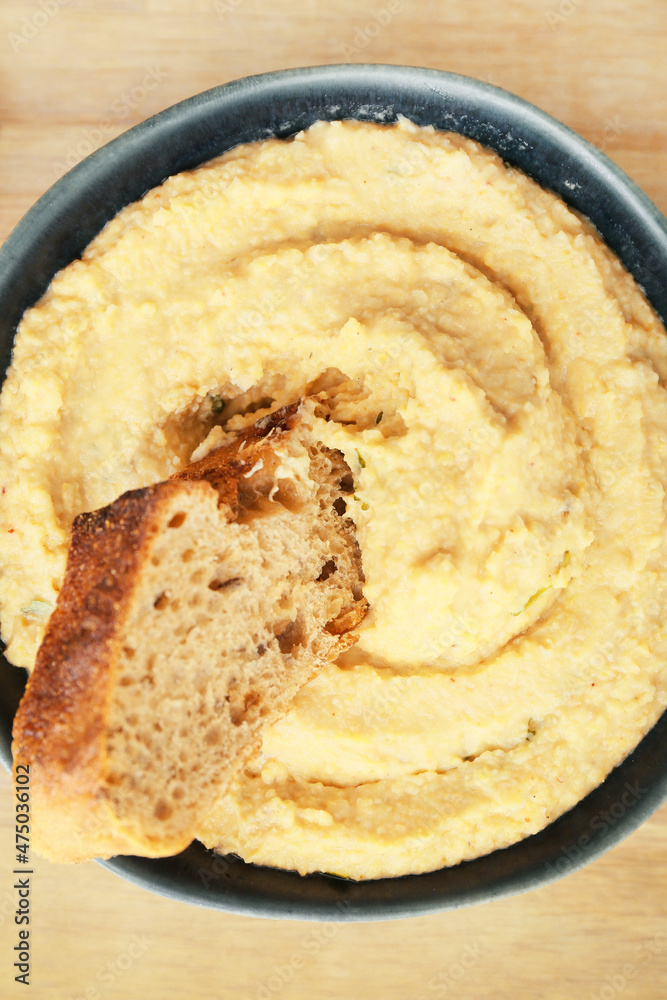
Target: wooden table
76	74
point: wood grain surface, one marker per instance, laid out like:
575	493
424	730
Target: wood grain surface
75	74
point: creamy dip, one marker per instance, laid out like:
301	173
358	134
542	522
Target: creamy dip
494	379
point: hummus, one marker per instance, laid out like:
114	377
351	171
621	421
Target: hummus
495	380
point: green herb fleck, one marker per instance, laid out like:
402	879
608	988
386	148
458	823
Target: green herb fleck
361	461
379	417
531	600
38	610
217	404
364	505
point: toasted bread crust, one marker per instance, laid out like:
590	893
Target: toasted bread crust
59	728
65	692
62	712
61	725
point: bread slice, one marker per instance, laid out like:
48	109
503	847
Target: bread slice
190	615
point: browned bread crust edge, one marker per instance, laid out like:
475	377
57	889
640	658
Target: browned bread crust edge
60	724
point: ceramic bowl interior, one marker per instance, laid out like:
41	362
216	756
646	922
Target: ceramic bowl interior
61	224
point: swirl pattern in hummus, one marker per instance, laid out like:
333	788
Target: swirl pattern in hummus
494	379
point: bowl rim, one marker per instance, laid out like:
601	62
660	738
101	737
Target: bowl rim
594	186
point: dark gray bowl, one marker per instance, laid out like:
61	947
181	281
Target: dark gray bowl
72	212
